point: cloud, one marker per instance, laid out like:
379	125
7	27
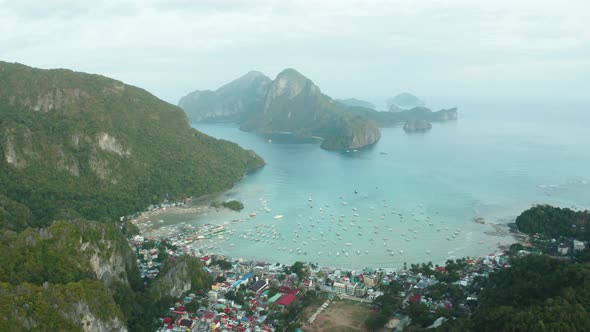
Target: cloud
149	41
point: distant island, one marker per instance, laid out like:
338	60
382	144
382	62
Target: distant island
356	103
404	101
414	125
292	103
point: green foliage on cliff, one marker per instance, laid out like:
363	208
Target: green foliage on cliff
62	252
295	104
15	216
537	293
179	271
80	145
231	102
55	307
555	222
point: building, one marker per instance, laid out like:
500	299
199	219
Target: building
360	290
260	269
244	267
259	285
350	289
578	246
339	288
563	249
286	300
371	280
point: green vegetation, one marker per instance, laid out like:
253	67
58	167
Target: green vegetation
61	253
537	293
79	145
232	205
295	105
231	102
56	307
554	222
75	146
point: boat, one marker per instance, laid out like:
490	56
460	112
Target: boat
279	216
348	244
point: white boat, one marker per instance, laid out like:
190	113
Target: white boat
279	216
348	244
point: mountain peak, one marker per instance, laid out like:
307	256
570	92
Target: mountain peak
290	83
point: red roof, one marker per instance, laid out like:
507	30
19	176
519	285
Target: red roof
415	298
286	300
440	269
167	320
287	290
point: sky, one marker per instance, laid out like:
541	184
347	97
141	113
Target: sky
349	48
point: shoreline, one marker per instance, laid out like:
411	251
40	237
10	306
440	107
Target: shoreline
496	249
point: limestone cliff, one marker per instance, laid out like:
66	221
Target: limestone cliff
180	275
417	125
294	104
78	306
231	102
79	142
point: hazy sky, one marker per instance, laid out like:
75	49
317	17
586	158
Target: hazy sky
349	48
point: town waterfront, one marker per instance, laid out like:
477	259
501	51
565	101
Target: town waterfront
410	198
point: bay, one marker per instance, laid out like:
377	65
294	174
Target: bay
410	197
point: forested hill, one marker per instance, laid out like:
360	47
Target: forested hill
80	145
555	222
537	293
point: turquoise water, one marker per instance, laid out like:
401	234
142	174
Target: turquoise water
411	197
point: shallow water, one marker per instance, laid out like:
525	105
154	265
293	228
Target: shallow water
494	162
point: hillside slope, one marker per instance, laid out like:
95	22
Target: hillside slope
75	144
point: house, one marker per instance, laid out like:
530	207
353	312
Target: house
339	288
360	290
286	300
206	260
371	280
563	248
259	285
578	246
350	289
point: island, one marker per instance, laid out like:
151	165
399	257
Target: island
414	125
404	101
232	205
292	104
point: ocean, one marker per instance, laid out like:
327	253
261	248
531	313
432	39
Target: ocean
409	198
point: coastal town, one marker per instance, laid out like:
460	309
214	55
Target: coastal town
248	295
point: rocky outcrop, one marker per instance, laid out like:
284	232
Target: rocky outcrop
230	102
445	115
355	135
296	105
180	275
91	323
79	306
417	125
